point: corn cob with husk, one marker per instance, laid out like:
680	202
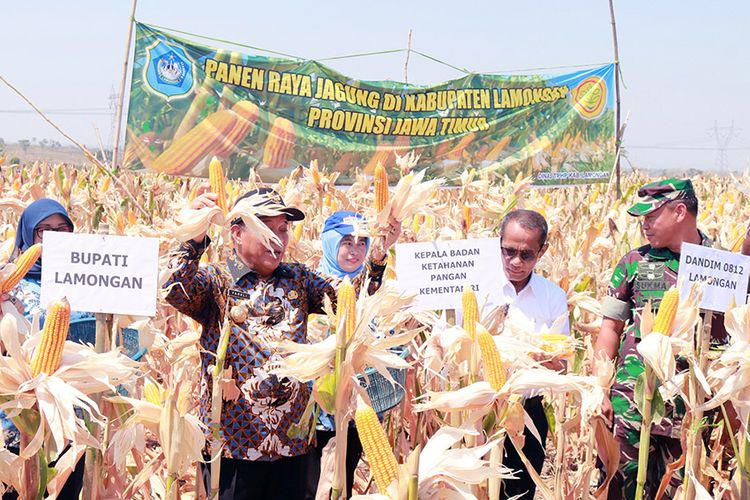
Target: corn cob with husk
662	324
470	311
346	308
22	265
194	111
383	465
280	143
667	311
494	371
49	351
218	183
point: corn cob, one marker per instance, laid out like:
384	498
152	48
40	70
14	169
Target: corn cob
279	145
132	219
381	155
194	111
218	183
49	351
557	343
23	264
346	307
381	188
457	152
152	393
666	313
467	218
470	311
247	114
383	465
104	186
494	372
184	153
298	231
315	173
494	153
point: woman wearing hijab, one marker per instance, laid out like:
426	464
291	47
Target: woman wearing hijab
42	216
345	246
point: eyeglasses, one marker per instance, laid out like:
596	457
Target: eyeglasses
62	228
524	255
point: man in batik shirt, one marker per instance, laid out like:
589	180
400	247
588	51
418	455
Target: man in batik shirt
266	301
668	211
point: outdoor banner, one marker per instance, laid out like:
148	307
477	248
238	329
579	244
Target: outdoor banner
189	102
436	271
101	273
723	276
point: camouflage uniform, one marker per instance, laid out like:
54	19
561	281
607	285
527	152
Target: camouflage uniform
643	275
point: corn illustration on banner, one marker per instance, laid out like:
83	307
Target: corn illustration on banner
190	102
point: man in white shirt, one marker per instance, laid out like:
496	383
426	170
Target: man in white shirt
523	241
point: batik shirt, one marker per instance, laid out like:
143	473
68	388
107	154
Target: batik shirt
262	313
642	275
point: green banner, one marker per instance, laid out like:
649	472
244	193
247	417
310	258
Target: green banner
190	102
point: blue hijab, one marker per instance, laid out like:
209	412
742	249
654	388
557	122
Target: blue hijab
30	218
338	225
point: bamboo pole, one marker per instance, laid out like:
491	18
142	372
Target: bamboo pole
121	97
408	53
94	460
617	95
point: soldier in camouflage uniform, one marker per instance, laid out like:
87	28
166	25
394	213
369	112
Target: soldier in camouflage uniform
668	211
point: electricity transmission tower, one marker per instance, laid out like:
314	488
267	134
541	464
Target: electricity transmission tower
723	136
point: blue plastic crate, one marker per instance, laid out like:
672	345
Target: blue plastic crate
383	394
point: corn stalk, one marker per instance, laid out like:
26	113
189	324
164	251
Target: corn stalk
217	404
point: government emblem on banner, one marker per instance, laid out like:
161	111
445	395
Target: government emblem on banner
168	71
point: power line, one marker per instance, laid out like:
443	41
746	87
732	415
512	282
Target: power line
687	148
82	111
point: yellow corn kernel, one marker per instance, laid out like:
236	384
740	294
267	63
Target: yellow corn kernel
27	259
346	307
49	351
381	188
494	371
470	311
666	313
218	183
246	113
383	465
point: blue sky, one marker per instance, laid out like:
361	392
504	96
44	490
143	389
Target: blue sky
685	63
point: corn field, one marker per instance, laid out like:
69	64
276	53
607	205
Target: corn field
463	388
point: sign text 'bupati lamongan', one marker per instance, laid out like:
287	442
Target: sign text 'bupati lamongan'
101	273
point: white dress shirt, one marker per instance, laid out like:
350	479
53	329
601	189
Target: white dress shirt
541	301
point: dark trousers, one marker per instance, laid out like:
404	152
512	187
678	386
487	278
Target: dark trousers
533	450
247	479
353	454
71	490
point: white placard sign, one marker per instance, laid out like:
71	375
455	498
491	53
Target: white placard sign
437	271
101	273
724	274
